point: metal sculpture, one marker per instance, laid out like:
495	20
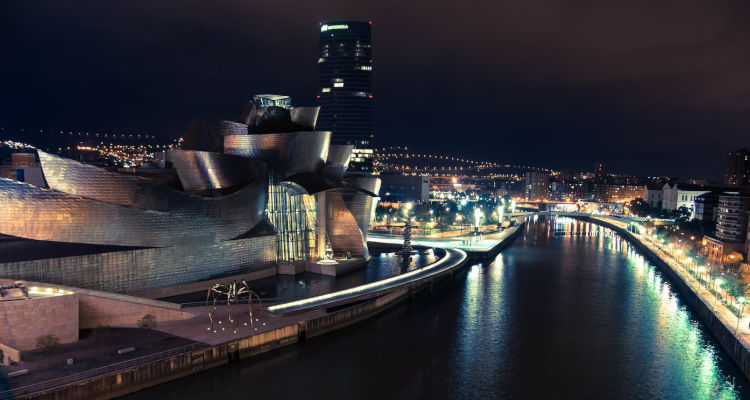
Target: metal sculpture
232	294
407	250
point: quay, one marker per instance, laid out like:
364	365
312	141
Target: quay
282	325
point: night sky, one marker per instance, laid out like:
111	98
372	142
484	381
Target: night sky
651	87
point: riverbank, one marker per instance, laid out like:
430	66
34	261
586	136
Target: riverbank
733	337
320	318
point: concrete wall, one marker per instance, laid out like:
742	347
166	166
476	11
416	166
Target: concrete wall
142	377
23	321
95	311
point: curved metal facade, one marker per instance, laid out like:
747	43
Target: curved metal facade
342	229
29	212
307	117
286	153
165	236
339	154
75	178
204	171
226	128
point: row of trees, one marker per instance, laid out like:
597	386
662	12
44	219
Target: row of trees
683	215
442	214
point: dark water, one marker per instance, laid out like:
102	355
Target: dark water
569	311
284	288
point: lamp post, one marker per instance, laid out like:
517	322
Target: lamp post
477	220
460	218
718	286
477	217
701	270
499	217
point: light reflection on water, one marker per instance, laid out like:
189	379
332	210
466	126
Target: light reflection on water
569	311
283	288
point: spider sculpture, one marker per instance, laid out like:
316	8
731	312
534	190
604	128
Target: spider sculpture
232	294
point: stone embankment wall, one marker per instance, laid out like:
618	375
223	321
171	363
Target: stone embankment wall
151	374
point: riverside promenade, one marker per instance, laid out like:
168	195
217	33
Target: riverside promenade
277	326
730	331
478	246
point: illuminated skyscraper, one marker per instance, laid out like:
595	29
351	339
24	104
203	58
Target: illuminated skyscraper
345	88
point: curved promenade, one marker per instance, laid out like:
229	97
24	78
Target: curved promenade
454	258
288	324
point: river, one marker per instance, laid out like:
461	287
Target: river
569	311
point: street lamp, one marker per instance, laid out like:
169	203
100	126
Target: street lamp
477	220
718	286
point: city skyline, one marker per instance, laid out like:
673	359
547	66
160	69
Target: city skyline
619	98
286	199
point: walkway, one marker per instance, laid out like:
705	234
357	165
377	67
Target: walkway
483	243
453	258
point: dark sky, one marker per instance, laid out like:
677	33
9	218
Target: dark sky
651	87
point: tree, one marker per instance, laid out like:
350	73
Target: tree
683	214
147	322
639	207
47	344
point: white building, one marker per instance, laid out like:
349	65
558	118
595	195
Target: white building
682	195
654	195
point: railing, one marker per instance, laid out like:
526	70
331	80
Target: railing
96	372
264	300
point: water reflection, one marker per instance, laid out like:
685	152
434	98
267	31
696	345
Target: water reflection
569	311
283	288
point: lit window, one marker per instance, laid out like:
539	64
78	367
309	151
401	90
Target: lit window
326	90
338	84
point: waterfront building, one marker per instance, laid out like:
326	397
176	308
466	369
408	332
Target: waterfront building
737	171
536	186
345	66
404	188
654	195
244	198
613	192
683	195
705	207
731	221
731	226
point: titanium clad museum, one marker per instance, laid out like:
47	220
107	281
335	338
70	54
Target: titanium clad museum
265	189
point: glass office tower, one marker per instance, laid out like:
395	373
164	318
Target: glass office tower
345	88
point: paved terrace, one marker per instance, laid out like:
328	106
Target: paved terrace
483	243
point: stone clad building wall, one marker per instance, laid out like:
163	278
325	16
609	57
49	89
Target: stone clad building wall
23	321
